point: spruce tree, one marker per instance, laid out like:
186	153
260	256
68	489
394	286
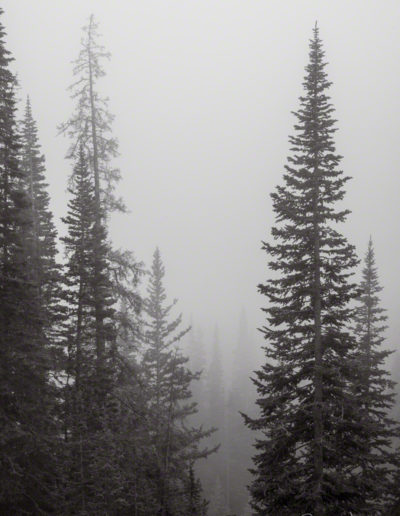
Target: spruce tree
98	278
374	391
79	335
89	439
41	235
90	124
90	128
166	387
311	426
27	466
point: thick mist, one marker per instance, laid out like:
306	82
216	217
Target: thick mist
202	94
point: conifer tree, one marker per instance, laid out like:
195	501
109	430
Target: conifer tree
90	124
166	386
27	468
40	238
86	410
90	127
374	390
81	354
101	335
307	458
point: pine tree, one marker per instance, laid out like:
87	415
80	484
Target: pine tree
166	385
90	124
27	468
374	391
311	427
90	443
101	335
40	238
81	354
90	128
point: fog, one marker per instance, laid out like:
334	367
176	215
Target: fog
202	94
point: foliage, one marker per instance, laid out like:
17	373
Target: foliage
27	429
308	454
166	389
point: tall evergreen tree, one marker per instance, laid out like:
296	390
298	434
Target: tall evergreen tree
374	390
86	409
90	127
166	385
90	124
101	334
41	235
27	473
311	426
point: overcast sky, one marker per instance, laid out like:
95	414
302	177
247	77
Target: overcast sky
203	92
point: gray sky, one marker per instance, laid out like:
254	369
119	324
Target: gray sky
202	93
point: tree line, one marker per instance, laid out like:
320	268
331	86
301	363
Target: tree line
326	442
102	413
94	390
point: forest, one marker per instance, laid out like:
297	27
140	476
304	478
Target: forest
112	404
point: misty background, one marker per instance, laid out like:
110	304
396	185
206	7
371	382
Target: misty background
202	94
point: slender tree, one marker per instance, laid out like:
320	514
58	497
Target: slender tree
374	389
311	425
80	333
27	469
166	381
90	127
102	335
90	124
89	438
40	238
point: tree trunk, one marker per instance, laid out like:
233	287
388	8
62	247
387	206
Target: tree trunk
317	408
99	336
